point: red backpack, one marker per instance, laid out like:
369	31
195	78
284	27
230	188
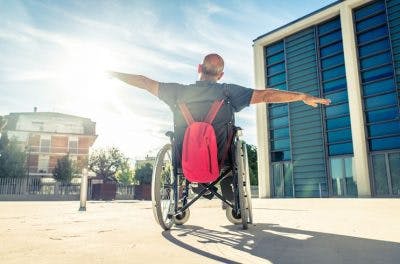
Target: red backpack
199	149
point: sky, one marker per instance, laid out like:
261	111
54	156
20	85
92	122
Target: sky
53	55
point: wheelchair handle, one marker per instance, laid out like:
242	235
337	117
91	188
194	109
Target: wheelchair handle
170	134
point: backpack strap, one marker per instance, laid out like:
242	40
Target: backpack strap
213	111
186	113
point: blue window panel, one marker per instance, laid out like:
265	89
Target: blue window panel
385	143
379	87
333	73
275	58
340	149
278	122
338	122
332	37
331	49
370	9
337	110
334	85
383	129
280	144
371	22
279	133
379	101
277	79
378	73
374	47
281	86
372	34
278	111
281	155
339	97
274	48
339	136
382	115
331	61
276	68
329	26
376	60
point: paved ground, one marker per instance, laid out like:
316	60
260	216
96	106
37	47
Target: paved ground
285	231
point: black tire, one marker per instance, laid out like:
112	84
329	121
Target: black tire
162	191
247	184
240	180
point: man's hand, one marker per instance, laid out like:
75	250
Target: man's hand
314	101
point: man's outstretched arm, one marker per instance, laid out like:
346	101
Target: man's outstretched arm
139	81
277	96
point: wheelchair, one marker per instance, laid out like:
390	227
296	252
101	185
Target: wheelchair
172	193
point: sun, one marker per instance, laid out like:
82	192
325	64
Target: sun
83	69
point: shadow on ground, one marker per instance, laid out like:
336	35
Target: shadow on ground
285	245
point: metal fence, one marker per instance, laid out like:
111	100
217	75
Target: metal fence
125	192
36	189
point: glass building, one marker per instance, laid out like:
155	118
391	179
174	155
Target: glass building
348	52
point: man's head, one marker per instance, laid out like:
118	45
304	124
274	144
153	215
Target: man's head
212	68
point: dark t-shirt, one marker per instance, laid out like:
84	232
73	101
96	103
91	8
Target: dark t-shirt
199	98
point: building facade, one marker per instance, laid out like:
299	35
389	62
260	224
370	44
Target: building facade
48	136
348	52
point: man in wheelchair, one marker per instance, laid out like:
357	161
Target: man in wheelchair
215	103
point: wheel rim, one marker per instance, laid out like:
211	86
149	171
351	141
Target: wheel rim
248	184
162	188
166	187
240	172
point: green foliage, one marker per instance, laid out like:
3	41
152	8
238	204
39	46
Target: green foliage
12	159
3	123
64	170
253	169
125	174
106	162
143	173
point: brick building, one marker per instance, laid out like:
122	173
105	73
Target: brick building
48	136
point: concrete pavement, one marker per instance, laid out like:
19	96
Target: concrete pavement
285	231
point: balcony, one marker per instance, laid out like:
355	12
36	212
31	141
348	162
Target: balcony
57	150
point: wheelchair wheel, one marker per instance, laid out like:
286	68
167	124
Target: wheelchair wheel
162	189
235	219
247	183
241	180
182	218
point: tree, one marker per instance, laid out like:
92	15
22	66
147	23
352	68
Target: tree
253	169
12	159
64	170
3	123
125	175
106	162
143	173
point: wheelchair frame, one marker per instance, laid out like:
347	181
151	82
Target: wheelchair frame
238	211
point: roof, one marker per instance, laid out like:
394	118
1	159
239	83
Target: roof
12	120
48	114
299	19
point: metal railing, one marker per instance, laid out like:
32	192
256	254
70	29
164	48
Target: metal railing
56	150
36	189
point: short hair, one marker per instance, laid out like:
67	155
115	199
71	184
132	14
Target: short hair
213	64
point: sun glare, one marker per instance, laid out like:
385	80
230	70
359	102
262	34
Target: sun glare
83	70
